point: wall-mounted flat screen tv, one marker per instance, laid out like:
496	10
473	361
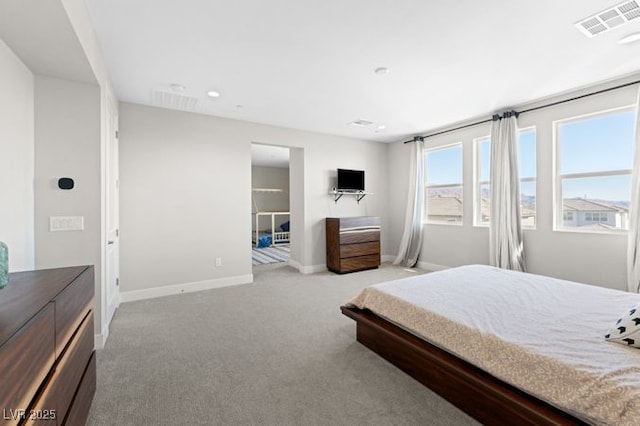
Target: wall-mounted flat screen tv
350	180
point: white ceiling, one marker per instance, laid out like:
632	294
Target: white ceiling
40	34
309	64
269	156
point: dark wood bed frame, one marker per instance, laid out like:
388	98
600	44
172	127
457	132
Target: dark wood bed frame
479	394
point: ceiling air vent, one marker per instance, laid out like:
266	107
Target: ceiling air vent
168	99
610	18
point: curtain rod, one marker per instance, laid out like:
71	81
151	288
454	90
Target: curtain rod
489	120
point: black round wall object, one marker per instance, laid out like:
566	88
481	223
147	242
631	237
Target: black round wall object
65	183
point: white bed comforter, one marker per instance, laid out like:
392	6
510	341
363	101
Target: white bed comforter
540	334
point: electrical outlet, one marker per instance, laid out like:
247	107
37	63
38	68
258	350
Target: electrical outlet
218	261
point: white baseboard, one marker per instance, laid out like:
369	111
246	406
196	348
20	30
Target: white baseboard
307	269
313	269
431	266
169	290
112	306
99	340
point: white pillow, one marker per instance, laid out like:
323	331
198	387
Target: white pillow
627	329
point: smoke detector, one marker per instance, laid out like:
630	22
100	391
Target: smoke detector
609	19
361	123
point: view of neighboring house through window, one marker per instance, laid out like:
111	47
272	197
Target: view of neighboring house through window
526	170
444	184
594	158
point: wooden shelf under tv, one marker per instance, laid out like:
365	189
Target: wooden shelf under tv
337	194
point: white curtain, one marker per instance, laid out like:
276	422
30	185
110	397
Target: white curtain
506	248
633	245
411	242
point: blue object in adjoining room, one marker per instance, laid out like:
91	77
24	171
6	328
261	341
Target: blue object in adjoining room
285	227
264	241
4	264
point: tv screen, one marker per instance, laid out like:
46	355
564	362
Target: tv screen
350	180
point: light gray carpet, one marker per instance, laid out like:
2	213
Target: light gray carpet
276	352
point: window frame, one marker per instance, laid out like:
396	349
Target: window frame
427	187
477	183
558	178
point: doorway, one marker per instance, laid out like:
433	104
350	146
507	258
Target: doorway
270	205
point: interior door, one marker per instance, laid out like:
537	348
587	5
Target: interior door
112	219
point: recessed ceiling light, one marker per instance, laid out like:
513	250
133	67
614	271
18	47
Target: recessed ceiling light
178	87
380	128
629	38
213	94
381	70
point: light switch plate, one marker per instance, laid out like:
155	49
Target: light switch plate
66	223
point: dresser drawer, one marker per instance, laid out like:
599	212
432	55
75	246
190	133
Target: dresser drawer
359	222
362	249
353	237
79	411
351	264
26	358
61	386
72	305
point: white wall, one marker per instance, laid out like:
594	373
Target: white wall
275	178
591	258
185	180
184	199
323	155
297	207
271	177
399	155
67	134
16	160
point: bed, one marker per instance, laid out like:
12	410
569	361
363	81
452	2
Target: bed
276	234
506	347
270	228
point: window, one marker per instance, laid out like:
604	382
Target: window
595	216
444	184
594	158
567	215
526	169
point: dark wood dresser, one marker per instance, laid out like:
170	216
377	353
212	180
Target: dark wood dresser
353	243
47	361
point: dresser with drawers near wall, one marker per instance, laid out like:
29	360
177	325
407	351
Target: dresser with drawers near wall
47	357
353	243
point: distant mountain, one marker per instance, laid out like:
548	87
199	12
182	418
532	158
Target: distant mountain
446	192
528	201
